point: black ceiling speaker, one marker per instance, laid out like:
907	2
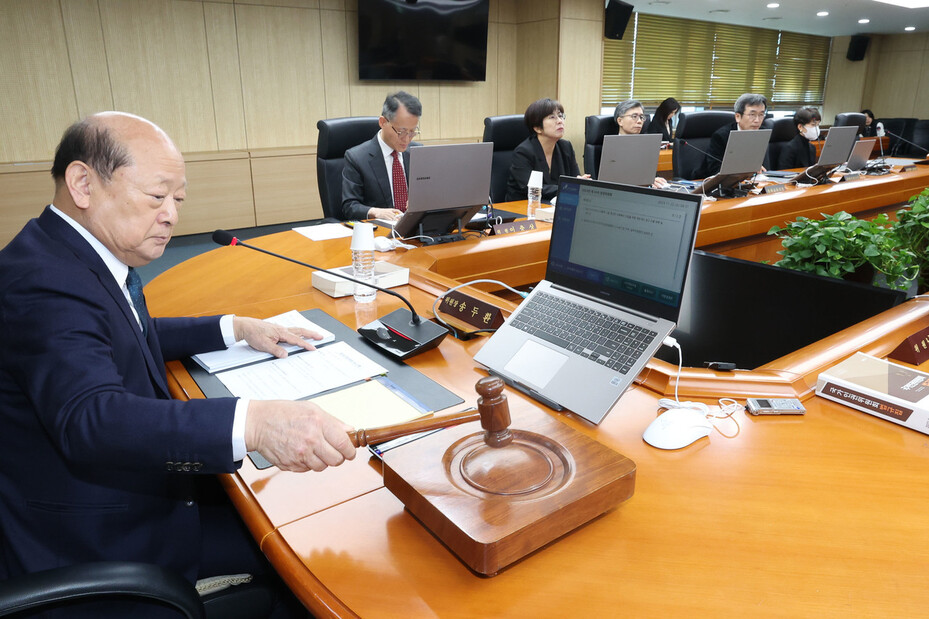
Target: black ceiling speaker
617	17
857	46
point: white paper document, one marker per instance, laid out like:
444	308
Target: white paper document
324	232
301	375
240	353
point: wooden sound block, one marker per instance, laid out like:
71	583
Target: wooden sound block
494	505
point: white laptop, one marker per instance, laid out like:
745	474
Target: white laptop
448	183
630	159
612	292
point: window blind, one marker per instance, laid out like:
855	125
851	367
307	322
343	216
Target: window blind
706	64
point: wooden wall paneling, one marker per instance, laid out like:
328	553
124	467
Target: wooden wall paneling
845	84
335	63
591	10
280	52
219	194
225	79
536	62
25	193
159	67
87	53
37	101
537	10
506	62
295	4
285	188
579	74
895	88
504	11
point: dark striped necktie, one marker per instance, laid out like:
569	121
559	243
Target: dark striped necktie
134	284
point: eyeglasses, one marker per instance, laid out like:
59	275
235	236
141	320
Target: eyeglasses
556	116
636	117
405	133
755	115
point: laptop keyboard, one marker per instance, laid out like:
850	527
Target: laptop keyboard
607	340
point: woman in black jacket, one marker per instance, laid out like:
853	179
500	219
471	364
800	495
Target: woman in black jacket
799	152
662	121
545	151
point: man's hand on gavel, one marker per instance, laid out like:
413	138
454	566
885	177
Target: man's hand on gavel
297	436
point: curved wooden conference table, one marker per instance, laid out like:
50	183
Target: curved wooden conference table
820	515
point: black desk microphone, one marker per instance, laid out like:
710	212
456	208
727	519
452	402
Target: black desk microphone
700	150
902	139
401	333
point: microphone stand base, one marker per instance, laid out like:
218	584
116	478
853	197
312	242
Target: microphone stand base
396	336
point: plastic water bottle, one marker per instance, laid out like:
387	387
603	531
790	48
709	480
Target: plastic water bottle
363	261
535	193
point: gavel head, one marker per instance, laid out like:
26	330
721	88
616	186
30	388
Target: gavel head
495	411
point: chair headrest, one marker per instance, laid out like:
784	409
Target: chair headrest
337	135
506	132
702	124
596	127
783	130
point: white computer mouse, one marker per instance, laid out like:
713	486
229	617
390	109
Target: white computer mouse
382	243
676	428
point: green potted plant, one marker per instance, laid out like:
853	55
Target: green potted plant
842	246
913	230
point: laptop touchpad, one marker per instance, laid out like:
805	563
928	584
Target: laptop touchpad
535	364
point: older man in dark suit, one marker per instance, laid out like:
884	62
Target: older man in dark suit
750	110
374	180
97	462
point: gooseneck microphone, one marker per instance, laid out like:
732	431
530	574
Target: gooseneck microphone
400	334
903	139
700	150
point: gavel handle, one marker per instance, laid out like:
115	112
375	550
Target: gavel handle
363	438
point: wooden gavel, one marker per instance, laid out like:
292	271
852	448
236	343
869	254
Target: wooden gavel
493	411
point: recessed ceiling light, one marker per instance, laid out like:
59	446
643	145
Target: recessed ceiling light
770	18
719	11
773	5
910	28
864	21
822	13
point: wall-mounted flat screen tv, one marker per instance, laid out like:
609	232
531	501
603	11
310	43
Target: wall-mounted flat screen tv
422	39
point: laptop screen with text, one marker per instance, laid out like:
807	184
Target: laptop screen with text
627	245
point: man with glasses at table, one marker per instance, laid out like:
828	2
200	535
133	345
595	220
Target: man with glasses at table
750	111
374	180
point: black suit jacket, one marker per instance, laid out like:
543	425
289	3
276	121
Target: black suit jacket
95	457
365	183
717	148
798	153
529	156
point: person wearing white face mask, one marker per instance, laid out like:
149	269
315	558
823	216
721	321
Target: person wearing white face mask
799	152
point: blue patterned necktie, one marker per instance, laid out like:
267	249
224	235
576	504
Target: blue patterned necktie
134	284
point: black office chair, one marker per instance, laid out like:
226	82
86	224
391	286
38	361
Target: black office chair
696	129
595	129
506	132
850	119
783	131
337	135
902	127
920	137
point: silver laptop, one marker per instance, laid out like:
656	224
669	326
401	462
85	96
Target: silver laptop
614	281
861	153
839	142
743	157
448	183
630	159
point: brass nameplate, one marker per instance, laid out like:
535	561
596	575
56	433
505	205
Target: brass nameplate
908	168
776	188
514	226
914	349
473	311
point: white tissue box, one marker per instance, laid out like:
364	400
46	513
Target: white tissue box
386	275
